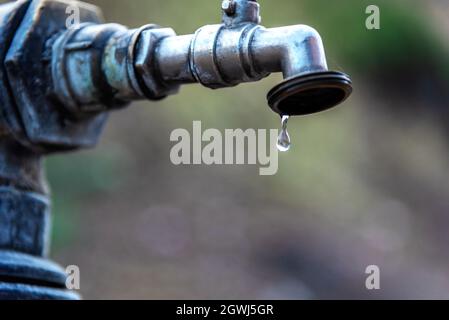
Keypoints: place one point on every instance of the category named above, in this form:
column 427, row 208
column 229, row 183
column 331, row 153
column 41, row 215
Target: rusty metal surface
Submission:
column 26, row 277
column 46, row 126
column 17, row 291
column 25, row 221
column 11, row 15
column 30, row 269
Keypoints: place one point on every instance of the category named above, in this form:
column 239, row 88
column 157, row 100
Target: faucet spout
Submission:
column 241, row 50
column 219, row 56
column 292, row 50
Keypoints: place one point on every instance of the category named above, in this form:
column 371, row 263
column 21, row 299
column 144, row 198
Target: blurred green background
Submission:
column 366, row 183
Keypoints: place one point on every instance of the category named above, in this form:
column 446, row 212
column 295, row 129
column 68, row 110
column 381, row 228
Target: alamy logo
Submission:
column 239, row 147
column 73, row 19
column 373, row 280
column 373, row 20
column 73, row 277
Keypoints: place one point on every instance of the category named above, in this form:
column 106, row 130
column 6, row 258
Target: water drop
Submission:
column 284, row 142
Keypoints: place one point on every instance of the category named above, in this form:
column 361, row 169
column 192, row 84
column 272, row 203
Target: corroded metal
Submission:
column 24, row 276
column 58, row 83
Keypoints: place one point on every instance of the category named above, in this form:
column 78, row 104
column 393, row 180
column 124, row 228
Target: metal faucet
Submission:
column 58, row 82
column 152, row 62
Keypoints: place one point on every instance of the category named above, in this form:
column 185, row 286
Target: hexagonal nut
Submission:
column 11, row 18
column 47, row 127
column 144, row 63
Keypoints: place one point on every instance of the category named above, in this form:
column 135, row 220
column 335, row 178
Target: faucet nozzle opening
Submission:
column 310, row 93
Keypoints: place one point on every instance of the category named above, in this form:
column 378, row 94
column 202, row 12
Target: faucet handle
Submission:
column 240, row 11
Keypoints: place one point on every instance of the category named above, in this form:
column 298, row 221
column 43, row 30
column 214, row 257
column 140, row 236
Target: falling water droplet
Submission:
column 284, row 142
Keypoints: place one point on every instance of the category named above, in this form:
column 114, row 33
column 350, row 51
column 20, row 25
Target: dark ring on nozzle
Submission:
column 310, row 93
